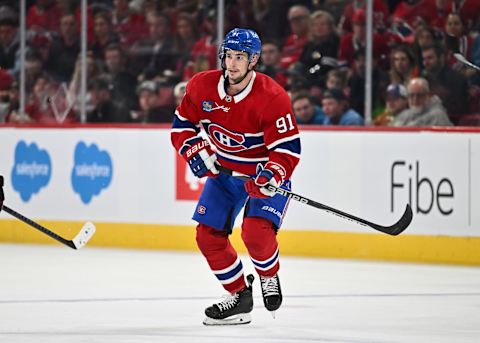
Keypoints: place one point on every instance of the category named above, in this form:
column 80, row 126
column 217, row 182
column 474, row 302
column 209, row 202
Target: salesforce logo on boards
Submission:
column 92, row 171
column 32, row 169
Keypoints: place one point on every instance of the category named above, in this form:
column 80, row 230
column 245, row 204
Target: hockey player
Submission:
column 249, row 121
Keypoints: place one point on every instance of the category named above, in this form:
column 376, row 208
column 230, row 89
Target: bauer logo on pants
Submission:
column 31, row 171
column 92, row 171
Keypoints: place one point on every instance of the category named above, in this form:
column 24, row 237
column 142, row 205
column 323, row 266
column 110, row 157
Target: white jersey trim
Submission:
column 183, row 130
column 259, row 134
column 239, row 97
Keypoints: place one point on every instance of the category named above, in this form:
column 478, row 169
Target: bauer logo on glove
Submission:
column 201, row 158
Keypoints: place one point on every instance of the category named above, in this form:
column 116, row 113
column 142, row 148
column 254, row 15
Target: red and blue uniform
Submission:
column 253, row 127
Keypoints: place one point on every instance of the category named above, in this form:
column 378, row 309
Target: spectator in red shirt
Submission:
column 380, row 15
column 204, row 53
column 42, row 44
column 299, row 18
column 355, row 41
column 442, row 10
column 44, row 16
column 414, row 13
column 129, row 26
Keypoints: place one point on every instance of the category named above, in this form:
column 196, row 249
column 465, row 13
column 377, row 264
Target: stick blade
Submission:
column 84, row 235
column 400, row 225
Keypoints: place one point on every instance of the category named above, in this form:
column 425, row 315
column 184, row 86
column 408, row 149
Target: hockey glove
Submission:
column 201, row 159
column 265, row 176
column 2, row 197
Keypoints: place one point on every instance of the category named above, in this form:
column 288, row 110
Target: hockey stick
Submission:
column 79, row 241
column 463, row 60
column 393, row 230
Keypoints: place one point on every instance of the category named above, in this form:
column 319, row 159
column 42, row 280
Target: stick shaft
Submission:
column 38, row 226
column 393, row 230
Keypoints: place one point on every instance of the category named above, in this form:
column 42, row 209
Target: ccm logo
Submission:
column 197, row 147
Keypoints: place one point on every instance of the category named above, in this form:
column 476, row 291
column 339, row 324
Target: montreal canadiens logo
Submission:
column 201, row 209
column 226, row 140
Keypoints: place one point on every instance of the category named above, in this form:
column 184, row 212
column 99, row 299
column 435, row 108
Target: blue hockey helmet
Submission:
column 245, row 40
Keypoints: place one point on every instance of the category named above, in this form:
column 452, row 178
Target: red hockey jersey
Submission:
column 254, row 126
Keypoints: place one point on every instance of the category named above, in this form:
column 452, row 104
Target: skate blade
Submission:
column 238, row 319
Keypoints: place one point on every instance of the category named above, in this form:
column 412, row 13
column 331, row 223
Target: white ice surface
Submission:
column 54, row 294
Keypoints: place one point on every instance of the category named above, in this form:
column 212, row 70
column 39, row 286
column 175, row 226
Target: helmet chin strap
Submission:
column 228, row 81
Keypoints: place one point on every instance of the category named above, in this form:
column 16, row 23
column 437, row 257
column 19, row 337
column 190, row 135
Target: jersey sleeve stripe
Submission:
column 179, row 116
column 283, row 140
column 259, row 134
column 183, row 130
column 183, row 125
column 292, row 146
column 288, row 152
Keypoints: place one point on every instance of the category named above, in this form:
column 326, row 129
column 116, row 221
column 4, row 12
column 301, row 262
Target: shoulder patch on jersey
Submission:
column 209, row 106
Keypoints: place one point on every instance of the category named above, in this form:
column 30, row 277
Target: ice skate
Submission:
column 233, row 310
column 272, row 293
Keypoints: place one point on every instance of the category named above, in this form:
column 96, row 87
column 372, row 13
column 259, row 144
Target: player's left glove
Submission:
column 268, row 175
column 201, row 158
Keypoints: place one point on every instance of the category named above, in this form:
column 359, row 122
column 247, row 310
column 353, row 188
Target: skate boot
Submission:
column 272, row 293
column 234, row 309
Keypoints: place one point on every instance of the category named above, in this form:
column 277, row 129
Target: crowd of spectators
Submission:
column 141, row 53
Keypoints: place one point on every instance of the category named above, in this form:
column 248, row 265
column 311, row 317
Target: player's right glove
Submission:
column 200, row 158
column 2, row 196
column 268, row 175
